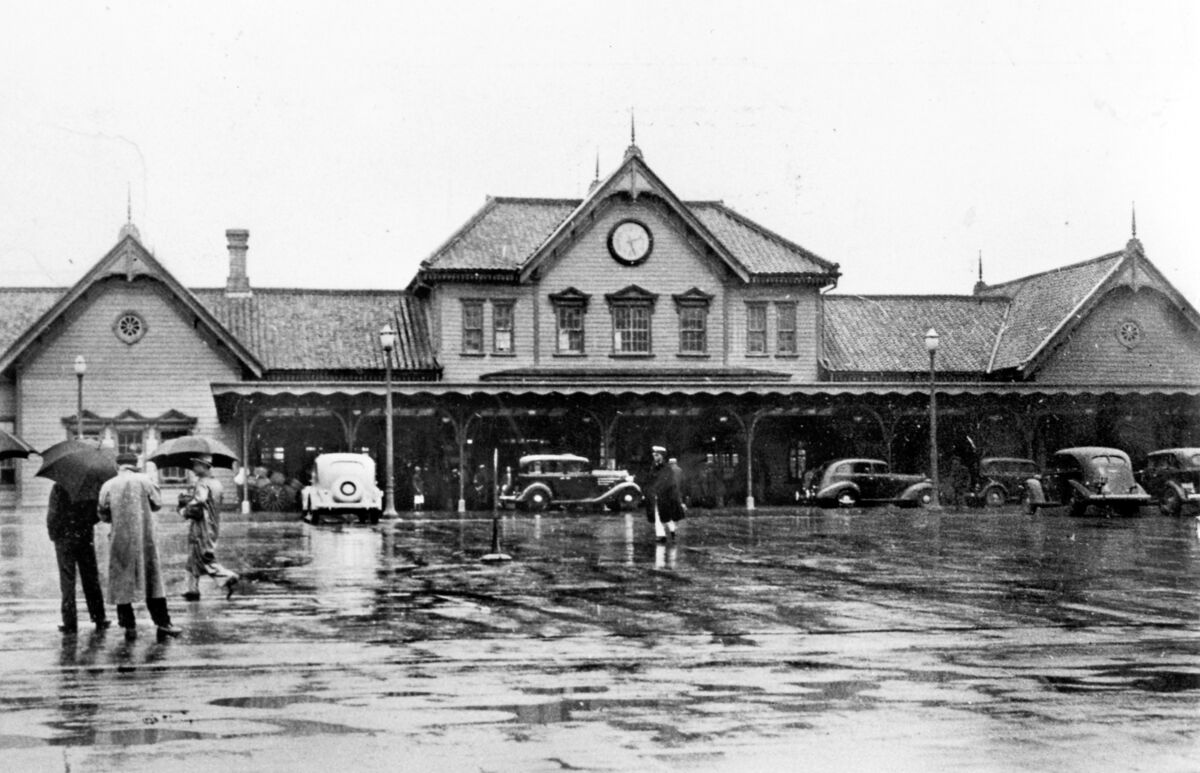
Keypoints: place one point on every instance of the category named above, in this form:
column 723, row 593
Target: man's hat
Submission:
column 203, row 459
column 127, row 459
column 657, row 450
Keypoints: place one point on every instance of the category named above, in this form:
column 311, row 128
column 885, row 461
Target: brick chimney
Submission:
column 238, row 284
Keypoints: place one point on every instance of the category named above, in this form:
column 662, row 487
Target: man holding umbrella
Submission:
column 129, row 502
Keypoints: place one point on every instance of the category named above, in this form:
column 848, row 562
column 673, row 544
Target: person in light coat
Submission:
column 202, row 509
column 129, row 502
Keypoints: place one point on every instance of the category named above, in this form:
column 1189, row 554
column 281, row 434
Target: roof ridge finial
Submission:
column 596, row 178
column 980, row 285
column 1133, row 222
column 633, row 149
column 129, row 229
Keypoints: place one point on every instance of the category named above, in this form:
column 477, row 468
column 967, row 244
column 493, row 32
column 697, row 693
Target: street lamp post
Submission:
column 931, row 344
column 80, row 369
column 387, row 339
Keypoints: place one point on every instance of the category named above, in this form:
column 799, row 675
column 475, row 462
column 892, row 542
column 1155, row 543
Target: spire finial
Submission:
column 979, row 283
column 1133, row 223
column 596, row 178
column 633, row 149
column 129, row 229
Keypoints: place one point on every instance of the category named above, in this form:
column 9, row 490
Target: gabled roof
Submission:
column 273, row 329
column 886, row 333
column 516, row 235
column 1048, row 306
column 1041, row 303
column 128, row 259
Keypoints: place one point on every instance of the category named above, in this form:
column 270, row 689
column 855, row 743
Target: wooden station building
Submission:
column 599, row 326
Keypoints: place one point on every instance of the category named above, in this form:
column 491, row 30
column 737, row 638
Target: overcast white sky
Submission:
column 898, row 139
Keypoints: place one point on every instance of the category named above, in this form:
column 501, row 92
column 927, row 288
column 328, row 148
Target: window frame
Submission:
column 574, row 303
column 693, row 307
column 631, row 305
column 784, row 310
column 508, row 306
column 472, row 343
column 756, row 337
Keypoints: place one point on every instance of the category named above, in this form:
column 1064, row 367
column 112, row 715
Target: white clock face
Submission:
column 630, row 242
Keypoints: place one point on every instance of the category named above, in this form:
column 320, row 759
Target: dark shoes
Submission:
column 68, row 629
column 102, row 625
column 169, row 630
column 192, row 595
column 230, row 586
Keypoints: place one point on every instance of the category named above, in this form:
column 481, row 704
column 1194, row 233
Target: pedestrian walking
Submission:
column 479, row 484
column 418, row 489
column 202, row 509
column 129, row 502
column 72, row 528
column 663, row 496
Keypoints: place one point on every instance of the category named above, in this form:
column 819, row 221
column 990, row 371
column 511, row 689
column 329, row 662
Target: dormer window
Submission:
column 632, row 310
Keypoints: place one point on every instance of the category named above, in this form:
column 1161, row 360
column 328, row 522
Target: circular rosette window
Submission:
column 1129, row 333
column 129, row 327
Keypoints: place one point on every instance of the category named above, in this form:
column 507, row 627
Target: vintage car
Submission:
column 1001, row 479
column 343, row 485
column 566, row 480
column 854, row 482
column 1090, row 476
column 1172, row 477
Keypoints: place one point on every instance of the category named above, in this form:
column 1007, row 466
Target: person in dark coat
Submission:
column 662, row 494
column 72, row 527
column 201, row 507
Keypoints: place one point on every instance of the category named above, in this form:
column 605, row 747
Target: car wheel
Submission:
column 926, row 499
column 994, row 497
column 847, row 498
column 537, row 501
column 1170, row 503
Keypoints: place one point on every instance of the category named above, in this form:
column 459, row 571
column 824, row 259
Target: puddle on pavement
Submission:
column 1125, row 679
column 568, row 709
column 266, row 701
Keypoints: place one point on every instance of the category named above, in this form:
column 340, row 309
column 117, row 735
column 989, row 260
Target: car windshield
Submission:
column 1194, row 461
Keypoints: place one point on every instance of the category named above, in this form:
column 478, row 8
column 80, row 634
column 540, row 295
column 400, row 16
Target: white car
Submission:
column 342, row 484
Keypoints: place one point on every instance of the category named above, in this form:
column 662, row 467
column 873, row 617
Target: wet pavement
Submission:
column 785, row 640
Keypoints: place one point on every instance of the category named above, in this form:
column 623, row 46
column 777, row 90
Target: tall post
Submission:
column 80, row 369
column 387, row 339
column 931, row 343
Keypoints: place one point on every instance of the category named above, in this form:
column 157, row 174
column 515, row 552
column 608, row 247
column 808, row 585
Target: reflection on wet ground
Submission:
column 854, row 640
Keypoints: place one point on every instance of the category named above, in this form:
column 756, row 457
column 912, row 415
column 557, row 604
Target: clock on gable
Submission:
column 630, row 242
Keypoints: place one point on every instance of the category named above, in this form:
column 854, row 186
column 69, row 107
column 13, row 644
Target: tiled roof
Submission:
column 307, row 330
column 20, row 307
column 508, row 231
column 887, row 332
column 761, row 251
column 1041, row 302
column 502, row 235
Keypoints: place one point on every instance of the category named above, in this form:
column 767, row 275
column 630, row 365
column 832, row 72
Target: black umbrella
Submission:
column 179, row 452
column 13, row 447
column 79, row 466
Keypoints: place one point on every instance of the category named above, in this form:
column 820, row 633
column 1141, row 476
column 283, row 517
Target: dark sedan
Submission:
column 853, row 482
column 1172, row 476
column 1001, row 479
column 1087, row 477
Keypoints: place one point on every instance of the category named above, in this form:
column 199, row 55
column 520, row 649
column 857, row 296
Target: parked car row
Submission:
column 1081, row 479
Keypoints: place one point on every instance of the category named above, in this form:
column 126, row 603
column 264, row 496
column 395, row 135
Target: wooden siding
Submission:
column 803, row 364
column 171, row 367
column 673, row 268
column 1167, row 353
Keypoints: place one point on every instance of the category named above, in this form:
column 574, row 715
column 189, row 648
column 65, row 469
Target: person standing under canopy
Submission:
column 129, row 502
column 202, row 509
